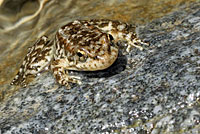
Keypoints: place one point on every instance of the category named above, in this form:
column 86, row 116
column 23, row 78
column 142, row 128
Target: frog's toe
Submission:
column 74, row 79
column 19, row 80
column 69, row 79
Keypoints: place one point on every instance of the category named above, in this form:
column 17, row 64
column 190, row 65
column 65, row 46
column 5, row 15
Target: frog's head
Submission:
column 93, row 52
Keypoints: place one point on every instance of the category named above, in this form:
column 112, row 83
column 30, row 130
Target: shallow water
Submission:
column 23, row 21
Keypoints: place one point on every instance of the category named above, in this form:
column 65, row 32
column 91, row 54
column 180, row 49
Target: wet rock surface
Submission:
column 156, row 90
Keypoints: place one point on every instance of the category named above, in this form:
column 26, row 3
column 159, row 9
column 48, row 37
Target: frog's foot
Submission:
column 72, row 79
column 37, row 58
column 19, row 80
column 135, row 43
column 63, row 78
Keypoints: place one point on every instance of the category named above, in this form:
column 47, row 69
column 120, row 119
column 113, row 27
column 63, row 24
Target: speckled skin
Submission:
column 86, row 45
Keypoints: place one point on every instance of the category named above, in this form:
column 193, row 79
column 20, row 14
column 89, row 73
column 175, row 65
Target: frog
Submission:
column 80, row 45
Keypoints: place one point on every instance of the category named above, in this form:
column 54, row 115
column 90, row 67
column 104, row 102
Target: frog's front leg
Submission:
column 124, row 32
column 130, row 37
column 59, row 68
column 133, row 41
column 37, row 58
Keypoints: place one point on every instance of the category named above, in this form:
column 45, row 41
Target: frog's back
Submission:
column 80, row 35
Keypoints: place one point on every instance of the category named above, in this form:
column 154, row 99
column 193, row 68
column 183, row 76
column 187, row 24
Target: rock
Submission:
column 157, row 92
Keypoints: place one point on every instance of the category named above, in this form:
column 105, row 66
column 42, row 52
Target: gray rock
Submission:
column 152, row 91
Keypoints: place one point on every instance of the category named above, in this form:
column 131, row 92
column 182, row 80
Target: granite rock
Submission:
column 152, row 91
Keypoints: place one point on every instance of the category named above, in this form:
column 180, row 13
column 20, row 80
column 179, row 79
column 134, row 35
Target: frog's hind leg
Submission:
column 37, row 58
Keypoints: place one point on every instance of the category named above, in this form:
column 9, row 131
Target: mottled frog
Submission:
column 83, row 45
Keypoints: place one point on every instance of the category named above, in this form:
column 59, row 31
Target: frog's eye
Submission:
column 80, row 53
column 111, row 37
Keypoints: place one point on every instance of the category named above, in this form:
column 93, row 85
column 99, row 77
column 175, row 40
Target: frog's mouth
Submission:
column 92, row 64
column 99, row 63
